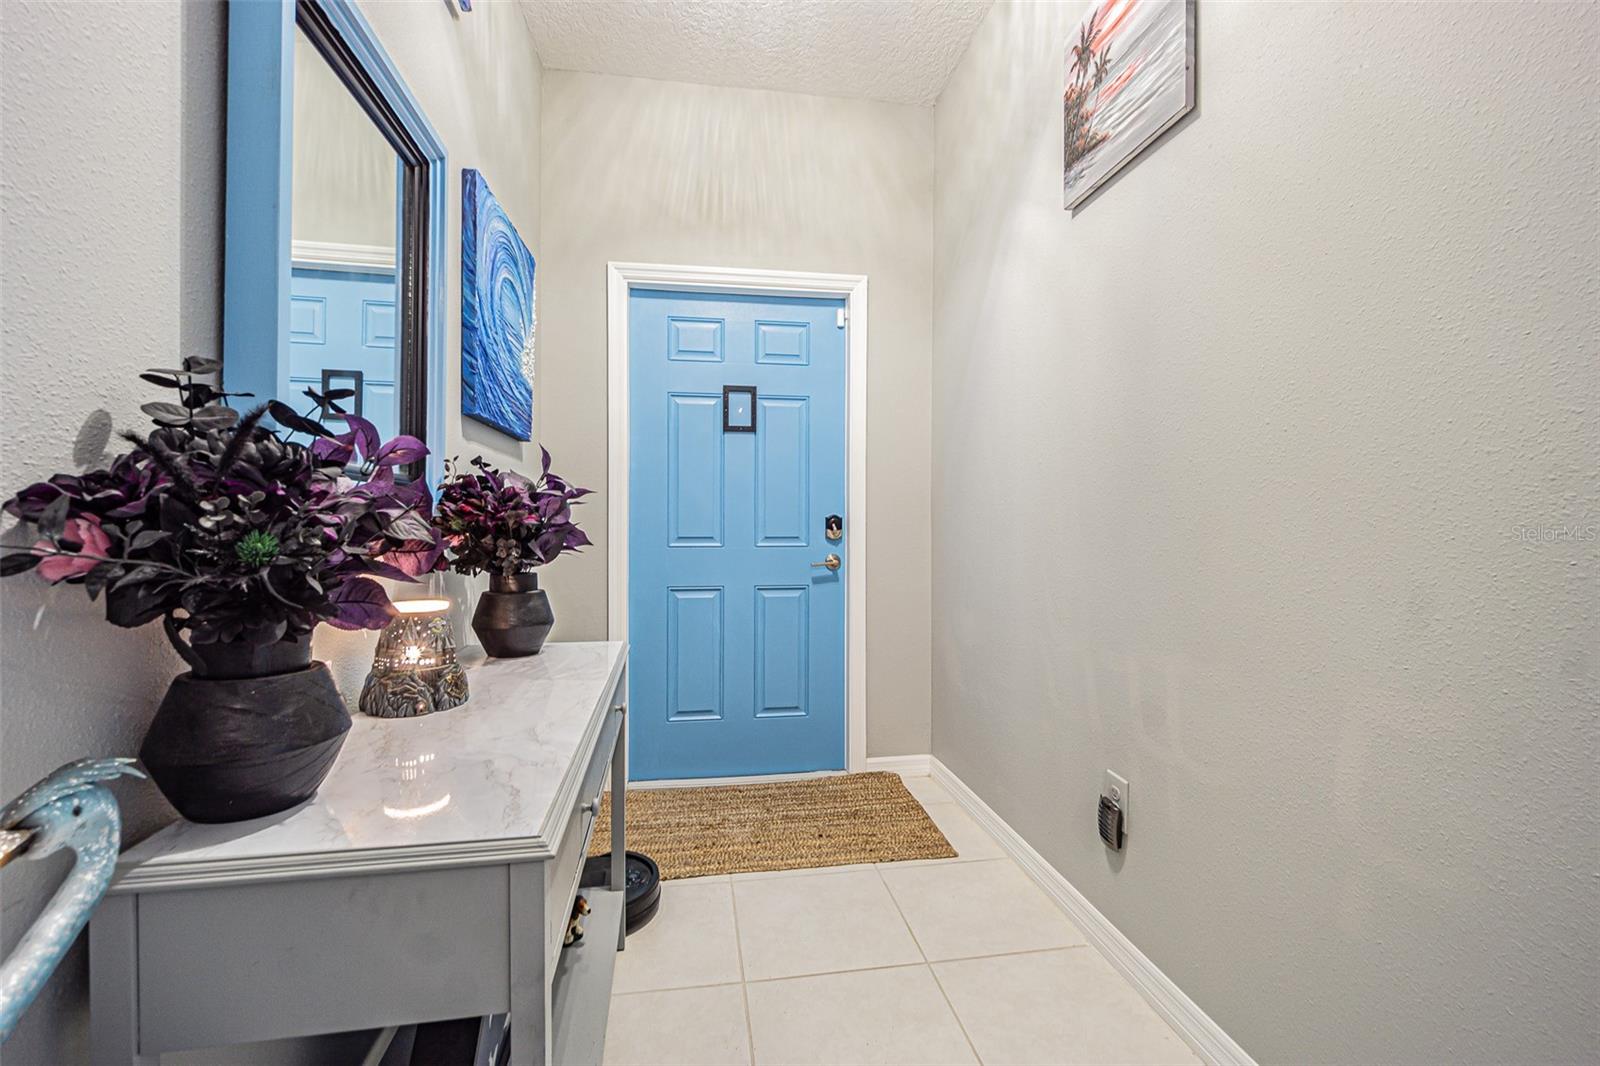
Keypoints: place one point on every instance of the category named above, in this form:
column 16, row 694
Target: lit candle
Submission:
column 414, row 670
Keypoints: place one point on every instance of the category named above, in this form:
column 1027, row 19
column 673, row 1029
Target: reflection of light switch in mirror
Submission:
column 738, row 408
column 345, row 379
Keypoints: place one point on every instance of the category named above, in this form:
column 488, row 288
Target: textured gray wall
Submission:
column 110, row 232
column 663, row 172
column 110, row 262
column 1248, row 442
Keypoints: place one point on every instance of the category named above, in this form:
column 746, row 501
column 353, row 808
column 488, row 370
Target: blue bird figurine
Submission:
column 68, row 809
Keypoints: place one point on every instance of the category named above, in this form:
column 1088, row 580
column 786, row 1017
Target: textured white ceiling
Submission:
column 896, row 50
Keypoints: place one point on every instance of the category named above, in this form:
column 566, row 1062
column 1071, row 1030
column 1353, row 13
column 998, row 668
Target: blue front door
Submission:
column 737, row 642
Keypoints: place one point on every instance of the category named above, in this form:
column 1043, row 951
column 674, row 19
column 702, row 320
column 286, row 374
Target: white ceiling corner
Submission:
column 901, row 51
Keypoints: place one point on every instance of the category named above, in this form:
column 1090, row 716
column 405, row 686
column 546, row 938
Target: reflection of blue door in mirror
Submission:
column 302, row 200
column 342, row 323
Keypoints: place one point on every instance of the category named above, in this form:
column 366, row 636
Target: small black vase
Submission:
column 248, row 732
column 513, row 617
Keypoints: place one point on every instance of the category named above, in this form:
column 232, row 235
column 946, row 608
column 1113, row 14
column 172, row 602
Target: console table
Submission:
column 431, row 877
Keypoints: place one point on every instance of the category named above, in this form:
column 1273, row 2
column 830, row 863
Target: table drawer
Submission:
column 561, row 882
column 257, row 962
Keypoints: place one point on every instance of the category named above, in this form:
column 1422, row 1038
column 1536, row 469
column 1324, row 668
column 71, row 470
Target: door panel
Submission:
column 782, row 634
column 783, row 456
column 377, row 325
column 694, row 654
column 694, row 470
column 308, row 320
column 694, row 340
column 737, row 661
column 343, row 322
column 784, row 343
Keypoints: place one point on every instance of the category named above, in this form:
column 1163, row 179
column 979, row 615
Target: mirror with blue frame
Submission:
column 335, row 225
column 345, row 229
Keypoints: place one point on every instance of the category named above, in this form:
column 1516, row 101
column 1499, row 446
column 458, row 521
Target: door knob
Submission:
column 832, row 562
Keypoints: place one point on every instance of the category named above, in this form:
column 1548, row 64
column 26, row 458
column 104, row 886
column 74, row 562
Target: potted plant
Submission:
column 242, row 541
column 508, row 525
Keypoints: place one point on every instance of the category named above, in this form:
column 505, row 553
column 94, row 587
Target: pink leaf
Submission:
column 84, row 530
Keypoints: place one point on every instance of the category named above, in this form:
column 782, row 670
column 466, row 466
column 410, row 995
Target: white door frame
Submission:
column 621, row 279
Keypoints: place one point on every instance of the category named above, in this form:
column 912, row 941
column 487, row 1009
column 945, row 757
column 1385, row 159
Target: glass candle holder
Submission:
column 415, row 671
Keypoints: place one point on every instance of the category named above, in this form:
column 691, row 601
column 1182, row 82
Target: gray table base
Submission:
column 205, row 966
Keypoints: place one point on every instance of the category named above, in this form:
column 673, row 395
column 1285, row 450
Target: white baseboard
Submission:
column 1194, row 1025
column 915, row 765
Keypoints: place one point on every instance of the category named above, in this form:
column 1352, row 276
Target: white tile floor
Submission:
column 958, row 960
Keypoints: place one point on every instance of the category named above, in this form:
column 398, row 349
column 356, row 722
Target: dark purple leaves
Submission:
column 292, row 420
column 333, row 450
column 505, row 522
column 361, row 440
column 193, row 396
column 18, row 563
column 409, row 526
column 146, row 538
column 133, row 601
column 400, row 451
column 412, row 561
column 359, row 604
column 95, row 581
column 52, row 518
column 366, row 436
column 166, row 414
column 230, row 529
column 214, row 416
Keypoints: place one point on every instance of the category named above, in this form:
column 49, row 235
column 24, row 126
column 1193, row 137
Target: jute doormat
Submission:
column 785, row 825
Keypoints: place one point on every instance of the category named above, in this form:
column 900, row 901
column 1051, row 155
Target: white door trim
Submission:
column 335, row 255
column 621, row 278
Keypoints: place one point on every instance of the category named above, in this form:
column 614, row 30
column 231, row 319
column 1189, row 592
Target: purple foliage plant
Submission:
column 505, row 523
column 229, row 530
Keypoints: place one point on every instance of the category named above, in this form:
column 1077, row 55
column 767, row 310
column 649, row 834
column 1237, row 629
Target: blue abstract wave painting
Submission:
column 497, row 314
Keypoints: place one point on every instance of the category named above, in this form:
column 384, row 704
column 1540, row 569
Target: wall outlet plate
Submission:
column 1115, row 788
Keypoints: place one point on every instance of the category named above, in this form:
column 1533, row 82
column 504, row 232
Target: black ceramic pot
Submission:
column 246, row 733
column 513, row 617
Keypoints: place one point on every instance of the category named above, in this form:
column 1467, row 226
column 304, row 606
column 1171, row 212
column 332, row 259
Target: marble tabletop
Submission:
column 483, row 782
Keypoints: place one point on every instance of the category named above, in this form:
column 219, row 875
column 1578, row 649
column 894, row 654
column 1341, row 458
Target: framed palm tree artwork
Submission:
column 1129, row 76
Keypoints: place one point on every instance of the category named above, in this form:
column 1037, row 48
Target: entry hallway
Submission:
column 958, row 960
